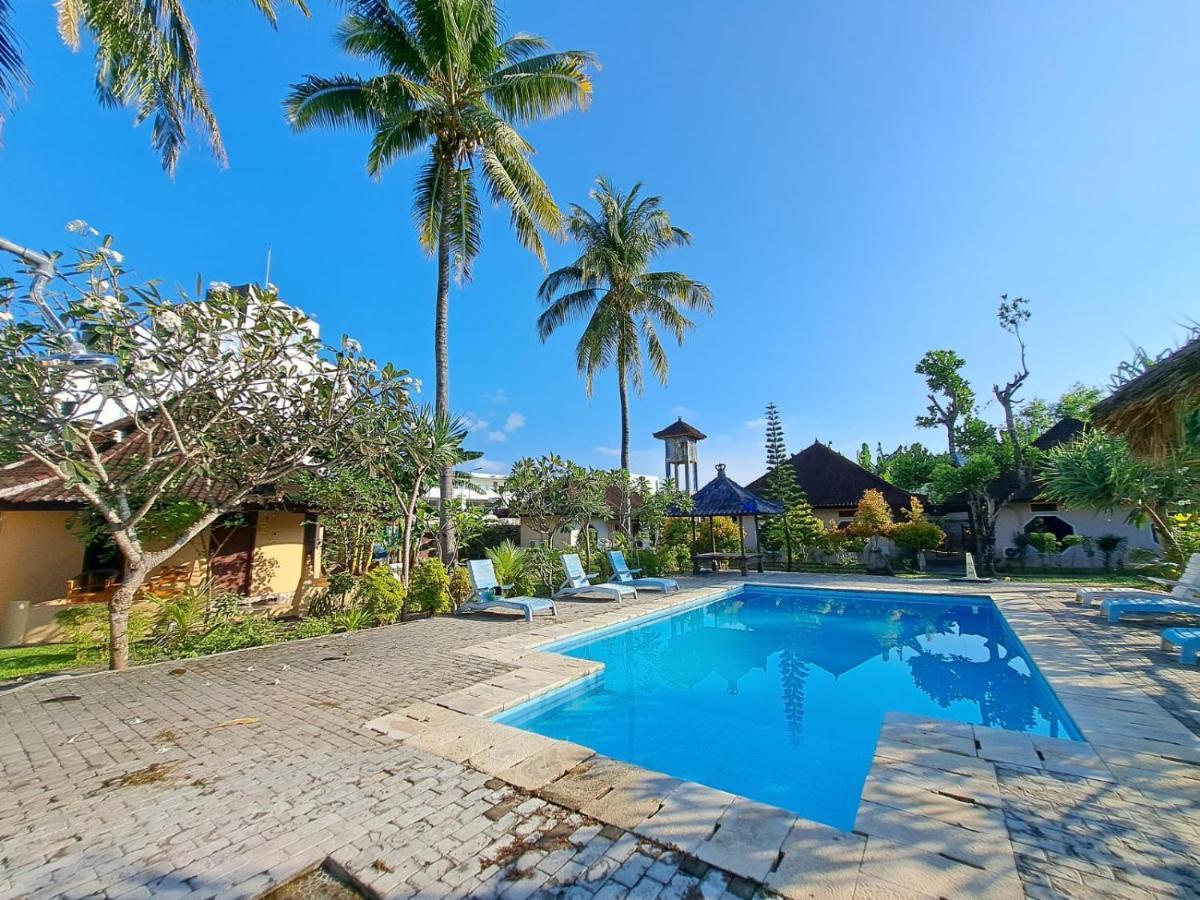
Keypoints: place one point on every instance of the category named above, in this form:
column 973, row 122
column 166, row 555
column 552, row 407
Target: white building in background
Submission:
column 477, row 489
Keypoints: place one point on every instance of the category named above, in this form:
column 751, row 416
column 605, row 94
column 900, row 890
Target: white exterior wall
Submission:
column 1015, row 516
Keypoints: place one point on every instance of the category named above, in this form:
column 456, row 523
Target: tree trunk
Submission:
column 118, row 616
column 442, row 364
column 623, row 391
column 1010, row 426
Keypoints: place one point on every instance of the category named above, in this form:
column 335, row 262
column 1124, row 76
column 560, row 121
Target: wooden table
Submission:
column 743, row 560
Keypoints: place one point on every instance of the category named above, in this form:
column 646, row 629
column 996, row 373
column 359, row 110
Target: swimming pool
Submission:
column 778, row 694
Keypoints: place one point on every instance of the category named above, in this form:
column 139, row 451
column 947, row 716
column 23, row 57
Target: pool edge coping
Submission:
column 949, row 766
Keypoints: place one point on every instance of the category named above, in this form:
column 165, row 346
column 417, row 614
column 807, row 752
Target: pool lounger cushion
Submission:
column 1125, row 605
column 1187, row 640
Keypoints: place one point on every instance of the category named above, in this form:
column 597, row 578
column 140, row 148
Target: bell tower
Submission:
column 681, row 451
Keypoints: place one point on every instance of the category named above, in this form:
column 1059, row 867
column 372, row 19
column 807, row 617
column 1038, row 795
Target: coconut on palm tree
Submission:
column 453, row 87
column 625, row 304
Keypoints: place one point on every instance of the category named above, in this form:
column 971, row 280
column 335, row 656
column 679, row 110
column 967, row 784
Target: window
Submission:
column 1043, row 507
column 847, row 513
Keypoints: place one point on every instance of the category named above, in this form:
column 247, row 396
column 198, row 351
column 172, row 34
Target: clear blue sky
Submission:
column 862, row 179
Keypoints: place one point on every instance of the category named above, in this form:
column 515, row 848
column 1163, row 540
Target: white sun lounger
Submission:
column 487, row 593
column 622, row 574
column 1190, row 577
column 578, row 582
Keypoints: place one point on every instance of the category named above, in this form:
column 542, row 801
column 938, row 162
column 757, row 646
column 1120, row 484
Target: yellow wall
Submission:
column 278, row 553
column 38, row 555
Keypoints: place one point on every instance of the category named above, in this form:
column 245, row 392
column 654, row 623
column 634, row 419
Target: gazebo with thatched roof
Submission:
column 1157, row 409
column 725, row 497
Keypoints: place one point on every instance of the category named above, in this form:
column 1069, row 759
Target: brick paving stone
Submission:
column 237, row 807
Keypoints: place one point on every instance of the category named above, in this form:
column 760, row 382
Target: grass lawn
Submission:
column 18, row 662
column 1084, row 577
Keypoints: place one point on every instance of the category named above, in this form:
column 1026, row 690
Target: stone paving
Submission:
column 227, row 775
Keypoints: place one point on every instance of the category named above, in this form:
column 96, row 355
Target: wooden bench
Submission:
column 742, row 559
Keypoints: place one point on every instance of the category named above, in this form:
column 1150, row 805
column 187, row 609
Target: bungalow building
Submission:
column 1024, row 510
column 269, row 552
column 834, row 484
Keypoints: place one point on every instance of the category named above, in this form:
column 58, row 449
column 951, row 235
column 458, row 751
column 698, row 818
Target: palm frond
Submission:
column 427, row 204
column 146, row 56
column 396, row 136
column 574, row 305
column 341, row 101
column 543, row 87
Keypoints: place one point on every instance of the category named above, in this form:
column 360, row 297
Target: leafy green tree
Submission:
column 798, row 526
column 585, row 500
column 1012, row 314
column 145, row 57
column 454, row 88
column 536, row 492
column 950, row 395
column 1100, row 472
column 873, row 516
column 234, row 392
column 916, row 533
column 625, row 304
column 777, row 453
column 864, row 457
column 972, row 480
column 909, row 467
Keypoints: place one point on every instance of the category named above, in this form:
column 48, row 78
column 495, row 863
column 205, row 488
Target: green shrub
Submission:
column 252, row 631
column 545, row 566
column 1109, row 545
column 382, row 595
column 313, row 626
column 512, row 567
column 674, row 559
column 429, row 586
column 460, row 585
column 86, row 629
column 352, row 618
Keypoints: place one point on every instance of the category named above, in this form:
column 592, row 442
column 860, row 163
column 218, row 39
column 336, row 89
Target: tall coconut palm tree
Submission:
column 145, row 57
column 625, row 305
column 454, row 88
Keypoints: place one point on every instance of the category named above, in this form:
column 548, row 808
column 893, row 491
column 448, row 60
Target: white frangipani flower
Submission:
column 112, row 254
column 5, row 315
column 169, row 319
column 218, row 286
column 77, row 226
column 350, row 345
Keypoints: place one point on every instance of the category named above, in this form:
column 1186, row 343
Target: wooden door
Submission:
column 232, row 563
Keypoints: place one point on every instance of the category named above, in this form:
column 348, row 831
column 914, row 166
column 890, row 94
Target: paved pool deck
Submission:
column 228, row 775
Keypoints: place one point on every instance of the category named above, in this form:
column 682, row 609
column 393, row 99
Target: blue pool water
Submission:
column 778, row 694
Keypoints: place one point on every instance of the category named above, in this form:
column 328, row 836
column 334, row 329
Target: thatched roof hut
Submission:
column 1155, row 410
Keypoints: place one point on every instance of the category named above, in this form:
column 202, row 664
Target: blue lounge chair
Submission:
column 487, row 593
column 580, row 582
column 1155, row 603
column 1188, row 642
column 622, row 574
column 1181, row 591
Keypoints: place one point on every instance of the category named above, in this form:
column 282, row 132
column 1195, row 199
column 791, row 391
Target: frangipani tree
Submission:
column 210, row 401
